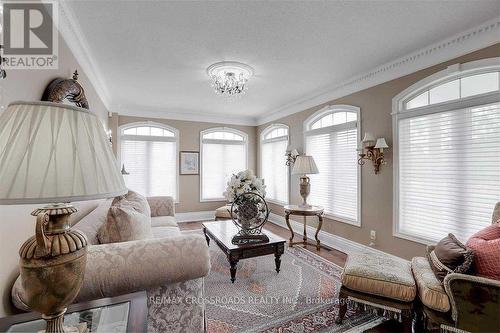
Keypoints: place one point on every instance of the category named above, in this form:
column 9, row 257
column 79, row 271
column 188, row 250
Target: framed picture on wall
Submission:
column 189, row 163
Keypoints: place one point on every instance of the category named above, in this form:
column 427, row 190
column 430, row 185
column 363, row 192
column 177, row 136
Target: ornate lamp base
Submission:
column 305, row 189
column 52, row 265
column 55, row 324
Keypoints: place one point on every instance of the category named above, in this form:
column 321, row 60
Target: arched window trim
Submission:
column 263, row 140
column 352, row 124
column 330, row 109
column 175, row 139
column 399, row 111
column 270, row 129
column 224, row 129
column 221, row 141
column 449, row 74
column 149, row 137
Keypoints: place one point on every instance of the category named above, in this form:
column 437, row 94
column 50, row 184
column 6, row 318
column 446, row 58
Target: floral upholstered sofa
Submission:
column 170, row 265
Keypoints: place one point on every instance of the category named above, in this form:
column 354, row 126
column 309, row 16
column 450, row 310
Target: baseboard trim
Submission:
column 194, row 216
column 328, row 239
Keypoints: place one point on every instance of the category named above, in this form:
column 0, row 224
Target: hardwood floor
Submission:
column 329, row 254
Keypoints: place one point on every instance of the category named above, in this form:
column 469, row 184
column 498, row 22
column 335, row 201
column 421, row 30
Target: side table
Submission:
column 120, row 314
column 304, row 212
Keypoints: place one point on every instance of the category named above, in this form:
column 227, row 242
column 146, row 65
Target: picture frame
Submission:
column 189, row 163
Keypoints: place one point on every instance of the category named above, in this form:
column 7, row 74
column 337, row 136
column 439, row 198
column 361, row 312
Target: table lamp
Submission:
column 54, row 154
column 304, row 165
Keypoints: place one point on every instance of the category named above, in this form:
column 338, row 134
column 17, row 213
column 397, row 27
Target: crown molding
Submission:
column 77, row 43
column 460, row 44
column 180, row 114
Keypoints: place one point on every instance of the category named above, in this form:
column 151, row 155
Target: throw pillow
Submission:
column 486, row 246
column 135, row 200
column 450, row 256
column 128, row 218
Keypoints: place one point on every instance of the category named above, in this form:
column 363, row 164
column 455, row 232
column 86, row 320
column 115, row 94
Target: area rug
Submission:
column 301, row 298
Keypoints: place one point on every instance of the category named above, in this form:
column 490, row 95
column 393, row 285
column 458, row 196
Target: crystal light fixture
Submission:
column 229, row 78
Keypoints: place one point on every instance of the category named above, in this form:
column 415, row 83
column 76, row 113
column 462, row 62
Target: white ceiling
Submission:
column 152, row 55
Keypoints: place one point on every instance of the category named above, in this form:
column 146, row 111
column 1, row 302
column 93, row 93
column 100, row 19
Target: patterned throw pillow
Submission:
column 129, row 218
column 486, row 246
column 450, row 256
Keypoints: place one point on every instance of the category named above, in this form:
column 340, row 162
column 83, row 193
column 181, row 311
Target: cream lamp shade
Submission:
column 381, row 144
column 51, row 152
column 304, row 164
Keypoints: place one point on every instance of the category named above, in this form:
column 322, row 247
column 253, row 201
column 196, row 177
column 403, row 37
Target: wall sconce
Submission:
column 109, row 133
column 124, row 172
column 291, row 156
column 372, row 150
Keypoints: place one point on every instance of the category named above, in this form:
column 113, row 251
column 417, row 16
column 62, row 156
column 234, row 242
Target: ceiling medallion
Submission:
column 229, row 78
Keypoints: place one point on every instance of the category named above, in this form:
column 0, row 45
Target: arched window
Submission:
column 223, row 153
column 273, row 145
column 149, row 153
column 331, row 138
column 447, row 152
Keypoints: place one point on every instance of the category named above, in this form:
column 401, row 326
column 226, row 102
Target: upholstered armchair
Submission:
column 465, row 302
column 169, row 266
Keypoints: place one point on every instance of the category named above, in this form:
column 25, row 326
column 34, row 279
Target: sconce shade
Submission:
column 368, row 137
column 295, row 153
column 51, row 153
column 381, row 143
column 304, row 164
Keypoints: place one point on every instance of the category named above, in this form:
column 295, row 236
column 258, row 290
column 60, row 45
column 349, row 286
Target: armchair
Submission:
column 462, row 303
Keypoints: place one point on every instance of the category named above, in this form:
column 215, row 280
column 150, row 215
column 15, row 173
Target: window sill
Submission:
column 415, row 239
column 342, row 220
column 213, row 200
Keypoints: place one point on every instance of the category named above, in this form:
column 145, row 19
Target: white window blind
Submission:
column 273, row 168
column 336, row 186
column 221, row 158
column 151, row 163
column 449, row 172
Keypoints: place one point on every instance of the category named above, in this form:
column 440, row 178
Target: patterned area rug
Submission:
column 302, row 298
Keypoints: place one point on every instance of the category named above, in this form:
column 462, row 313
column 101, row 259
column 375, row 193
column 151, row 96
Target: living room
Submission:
column 248, row 166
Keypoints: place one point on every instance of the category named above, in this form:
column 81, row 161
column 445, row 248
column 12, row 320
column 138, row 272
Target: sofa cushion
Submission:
column 379, row 275
column 134, row 200
column 129, row 218
column 165, row 232
column 430, row 289
column 93, row 221
column 450, row 256
column 486, row 246
column 163, row 221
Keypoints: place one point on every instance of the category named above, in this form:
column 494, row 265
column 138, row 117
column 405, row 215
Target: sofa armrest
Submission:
column 120, row 268
column 475, row 301
column 161, row 206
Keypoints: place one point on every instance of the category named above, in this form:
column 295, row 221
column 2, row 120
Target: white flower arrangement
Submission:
column 244, row 181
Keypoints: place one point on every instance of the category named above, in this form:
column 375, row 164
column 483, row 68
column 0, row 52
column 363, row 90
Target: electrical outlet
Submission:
column 373, row 235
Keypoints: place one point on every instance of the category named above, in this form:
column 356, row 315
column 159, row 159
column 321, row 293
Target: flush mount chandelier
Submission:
column 229, row 78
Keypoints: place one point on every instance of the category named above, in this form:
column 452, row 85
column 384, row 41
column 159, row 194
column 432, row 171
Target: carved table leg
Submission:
column 206, row 236
column 277, row 261
column 287, row 219
column 233, row 263
column 342, row 307
column 318, row 243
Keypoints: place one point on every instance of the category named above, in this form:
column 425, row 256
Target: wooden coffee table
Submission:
column 221, row 232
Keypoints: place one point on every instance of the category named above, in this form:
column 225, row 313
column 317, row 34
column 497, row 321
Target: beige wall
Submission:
column 189, row 139
column 16, row 224
column 376, row 190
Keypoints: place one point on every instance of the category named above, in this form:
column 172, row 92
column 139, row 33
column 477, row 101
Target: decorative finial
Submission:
column 75, row 75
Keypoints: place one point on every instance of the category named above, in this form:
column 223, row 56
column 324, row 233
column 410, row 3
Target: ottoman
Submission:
column 223, row 213
column 378, row 283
